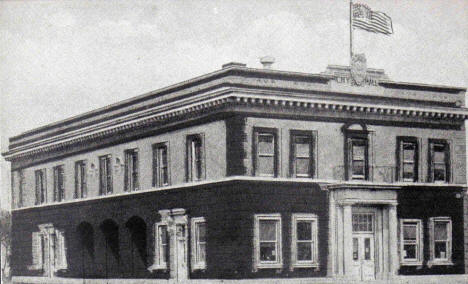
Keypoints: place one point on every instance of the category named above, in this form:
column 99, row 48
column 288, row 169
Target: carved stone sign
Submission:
column 359, row 68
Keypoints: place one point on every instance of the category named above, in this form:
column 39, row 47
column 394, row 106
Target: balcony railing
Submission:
column 385, row 174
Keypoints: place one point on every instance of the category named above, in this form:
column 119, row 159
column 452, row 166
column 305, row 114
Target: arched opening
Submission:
column 110, row 230
column 138, row 253
column 86, row 238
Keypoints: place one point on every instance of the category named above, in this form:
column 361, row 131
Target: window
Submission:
column 161, row 246
column 440, row 234
column 131, row 170
column 160, row 165
column 439, row 161
column 194, row 157
column 60, row 250
column 302, row 154
column 17, row 188
column 358, row 158
column 265, row 152
column 304, row 248
column 411, row 242
column 105, row 175
column 38, row 253
column 363, row 222
column 408, row 158
column 198, row 243
column 59, row 191
column 41, row 183
column 267, row 241
column 80, row 179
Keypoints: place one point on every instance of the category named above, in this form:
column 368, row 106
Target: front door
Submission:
column 363, row 246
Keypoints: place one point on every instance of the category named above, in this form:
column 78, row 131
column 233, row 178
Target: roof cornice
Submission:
column 219, row 99
column 421, row 86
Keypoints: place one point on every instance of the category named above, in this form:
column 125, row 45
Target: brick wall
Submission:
column 228, row 209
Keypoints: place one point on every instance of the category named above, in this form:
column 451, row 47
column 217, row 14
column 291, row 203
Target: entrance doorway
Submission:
column 176, row 222
column 363, row 246
column 364, row 229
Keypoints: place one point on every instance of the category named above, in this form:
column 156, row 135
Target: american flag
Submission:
column 371, row 21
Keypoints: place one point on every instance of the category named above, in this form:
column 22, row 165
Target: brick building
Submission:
column 248, row 173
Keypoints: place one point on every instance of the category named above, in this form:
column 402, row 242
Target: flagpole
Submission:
column 351, row 30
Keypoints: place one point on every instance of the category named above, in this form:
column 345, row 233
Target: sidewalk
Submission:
column 431, row 279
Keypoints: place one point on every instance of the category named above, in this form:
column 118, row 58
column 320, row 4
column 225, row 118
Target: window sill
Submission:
column 305, row 265
column 269, row 266
column 156, row 267
column 197, row 267
column 439, row 262
column 411, row 263
column 34, row 268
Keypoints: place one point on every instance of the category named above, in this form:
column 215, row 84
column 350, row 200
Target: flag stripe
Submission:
column 370, row 28
column 380, row 21
column 376, row 26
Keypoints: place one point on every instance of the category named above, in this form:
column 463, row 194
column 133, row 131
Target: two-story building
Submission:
column 248, row 173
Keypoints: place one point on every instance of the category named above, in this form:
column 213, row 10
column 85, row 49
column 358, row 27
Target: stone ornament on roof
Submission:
column 358, row 69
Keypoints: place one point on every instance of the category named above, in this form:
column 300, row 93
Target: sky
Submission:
column 62, row 58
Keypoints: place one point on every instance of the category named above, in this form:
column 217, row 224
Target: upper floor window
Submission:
column 267, row 244
column 105, row 175
column 265, row 152
column 439, row 161
column 18, row 187
column 411, row 241
column 41, row 186
column 160, row 164
column 80, row 179
column 59, row 190
column 408, row 158
column 304, row 248
column 357, row 166
column 440, row 240
column 198, row 227
column 195, row 161
column 302, row 154
column 131, row 170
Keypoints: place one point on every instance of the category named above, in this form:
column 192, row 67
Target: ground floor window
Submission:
column 411, row 242
column 304, row 247
column 38, row 252
column 198, row 227
column 440, row 236
column 267, row 241
column 161, row 246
